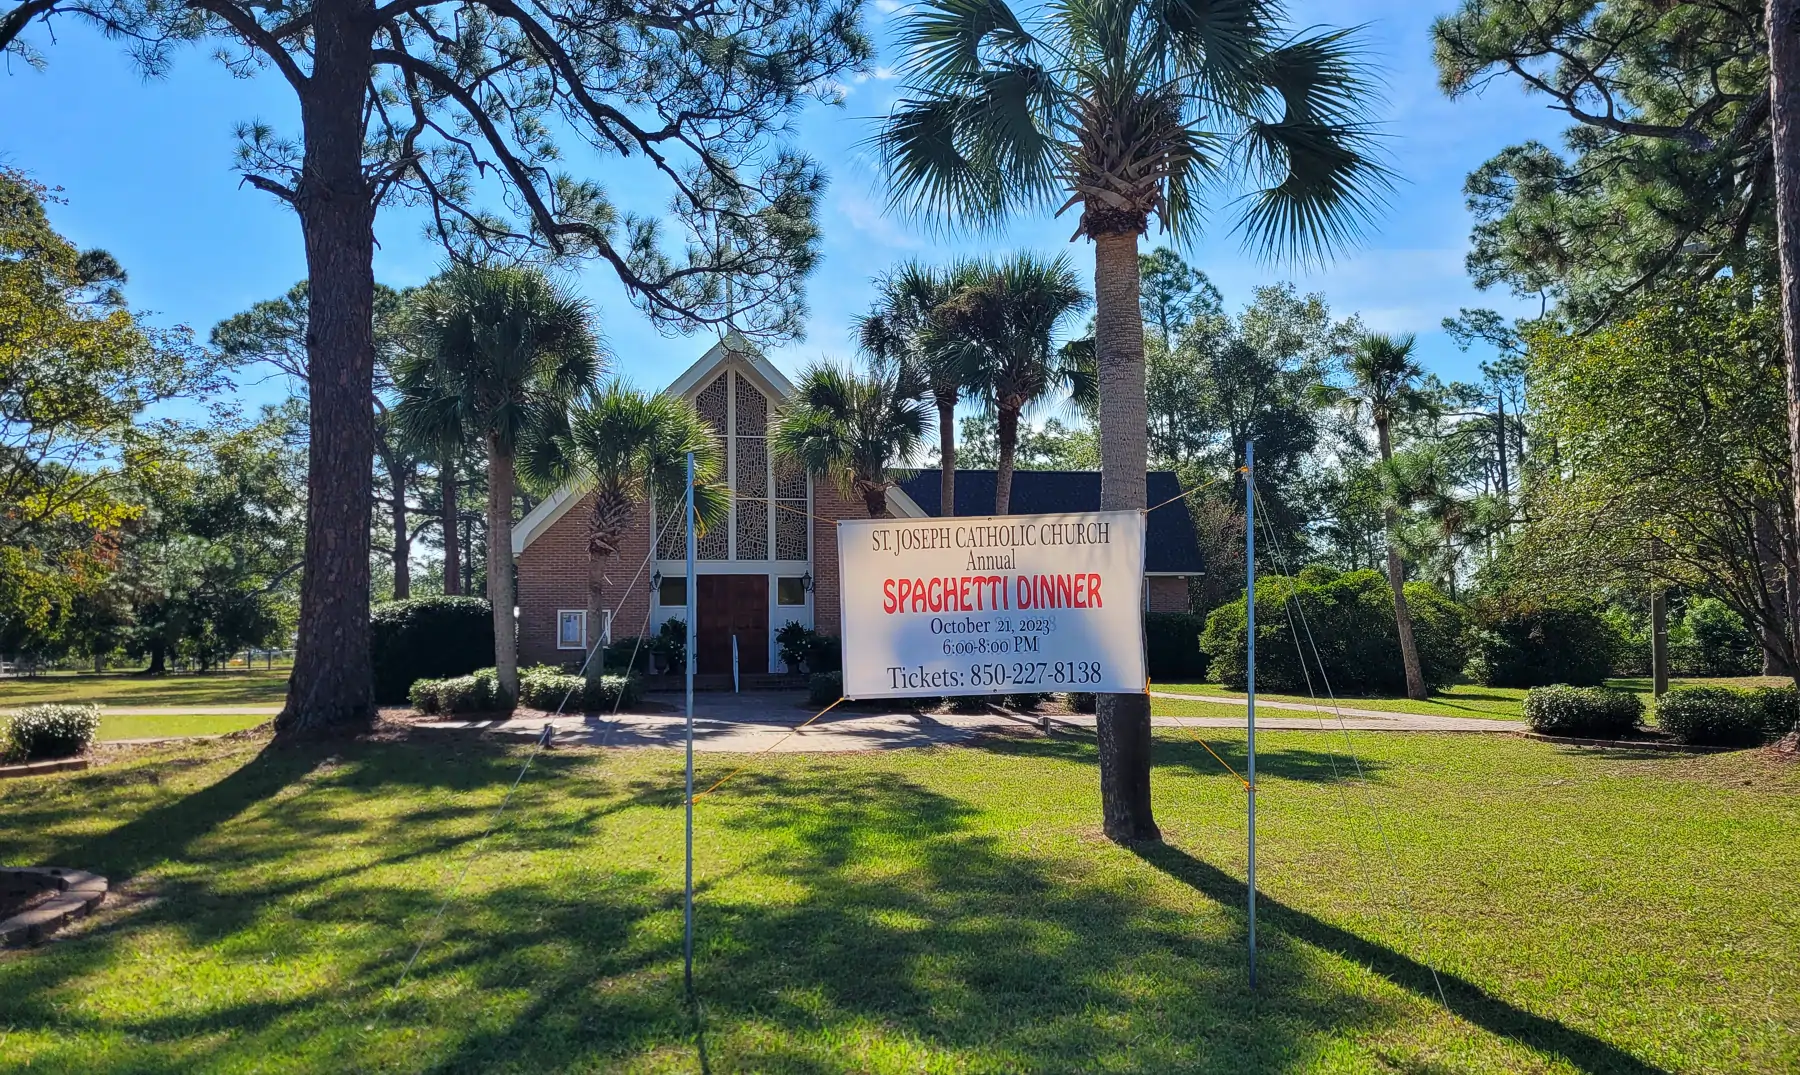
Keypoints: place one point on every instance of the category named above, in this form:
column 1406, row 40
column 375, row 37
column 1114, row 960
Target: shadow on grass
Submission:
column 848, row 919
column 1174, row 748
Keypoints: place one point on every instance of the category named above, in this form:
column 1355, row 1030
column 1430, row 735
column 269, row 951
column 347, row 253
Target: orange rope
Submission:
column 1189, row 492
column 765, row 750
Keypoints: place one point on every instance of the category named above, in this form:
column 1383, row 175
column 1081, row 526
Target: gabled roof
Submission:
column 1170, row 546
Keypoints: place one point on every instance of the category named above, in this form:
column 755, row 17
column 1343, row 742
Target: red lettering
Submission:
column 1080, row 591
column 887, row 592
column 1094, row 591
column 905, row 594
column 1064, row 596
column 918, row 595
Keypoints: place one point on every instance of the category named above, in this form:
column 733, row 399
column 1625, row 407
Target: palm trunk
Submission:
column 500, row 568
column 402, row 554
column 1396, row 569
column 875, row 501
column 1007, row 434
column 332, row 687
column 1784, row 114
column 1122, row 721
column 452, row 545
column 595, row 667
column 947, row 457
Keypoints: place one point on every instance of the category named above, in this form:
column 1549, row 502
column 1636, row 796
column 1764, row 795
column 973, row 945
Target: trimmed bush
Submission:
column 1711, row 640
column 824, row 653
column 427, row 638
column 1081, row 701
column 478, row 692
column 1172, row 646
column 1351, row 616
column 549, row 688
column 49, row 730
column 1779, row 708
column 1711, row 716
column 824, row 688
column 1542, row 646
column 1582, row 712
column 1024, row 703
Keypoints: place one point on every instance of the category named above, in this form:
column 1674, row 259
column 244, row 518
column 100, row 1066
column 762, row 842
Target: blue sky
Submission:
column 145, row 167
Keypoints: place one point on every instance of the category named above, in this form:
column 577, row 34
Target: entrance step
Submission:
column 750, row 681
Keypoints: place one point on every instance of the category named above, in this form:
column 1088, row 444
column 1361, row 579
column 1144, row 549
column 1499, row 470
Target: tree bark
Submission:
column 1659, row 642
column 500, row 567
column 1122, row 721
column 1396, row 570
column 1007, row 436
column 452, row 547
column 595, row 666
column 947, row 458
column 1783, row 28
column 159, row 659
column 402, row 554
column 332, row 686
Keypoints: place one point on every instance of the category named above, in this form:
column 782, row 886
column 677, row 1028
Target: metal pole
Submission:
column 1250, row 708
column 687, row 942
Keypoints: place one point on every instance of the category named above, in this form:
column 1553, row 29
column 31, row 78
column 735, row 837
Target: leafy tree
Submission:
column 1384, row 385
column 1001, row 326
column 1671, row 459
column 1175, row 294
column 856, row 429
column 274, row 332
column 901, row 328
column 505, row 350
column 627, row 448
column 1053, row 446
column 461, row 107
column 1125, row 109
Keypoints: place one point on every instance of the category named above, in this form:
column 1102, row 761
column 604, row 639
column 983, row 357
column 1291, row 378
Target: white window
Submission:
column 571, row 628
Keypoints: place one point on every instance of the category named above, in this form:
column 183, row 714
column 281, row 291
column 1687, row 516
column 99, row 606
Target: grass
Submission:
column 159, row 725
column 944, row 910
column 253, row 687
column 1462, row 700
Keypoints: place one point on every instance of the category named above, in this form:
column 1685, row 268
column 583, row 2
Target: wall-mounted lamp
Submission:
column 806, row 582
column 655, row 582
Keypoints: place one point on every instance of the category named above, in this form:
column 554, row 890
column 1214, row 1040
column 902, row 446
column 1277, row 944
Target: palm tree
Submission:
column 1001, row 327
column 628, row 447
column 505, row 350
column 1384, row 382
column 899, row 330
column 858, row 430
column 1128, row 109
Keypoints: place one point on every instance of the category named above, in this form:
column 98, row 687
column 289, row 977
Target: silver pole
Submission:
column 1250, row 708
column 687, row 943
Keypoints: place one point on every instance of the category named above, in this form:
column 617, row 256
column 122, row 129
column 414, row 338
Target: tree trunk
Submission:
column 1659, row 642
column 500, row 567
column 159, row 659
column 875, row 501
column 1122, row 721
column 947, row 458
column 402, row 556
column 596, row 615
column 1505, row 482
column 332, row 686
column 1784, row 115
column 452, row 550
column 1396, row 569
column 1007, row 436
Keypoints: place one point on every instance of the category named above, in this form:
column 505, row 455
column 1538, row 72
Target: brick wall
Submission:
column 553, row 575
column 829, row 505
column 1168, row 593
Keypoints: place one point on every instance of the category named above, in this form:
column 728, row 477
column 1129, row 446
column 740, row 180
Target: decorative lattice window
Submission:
column 790, row 531
column 752, row 530
column 673, row 528
column 752, row 410
column 711, row 403
column 752, row 468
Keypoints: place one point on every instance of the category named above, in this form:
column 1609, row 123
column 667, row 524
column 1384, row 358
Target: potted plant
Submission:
column 795, row 642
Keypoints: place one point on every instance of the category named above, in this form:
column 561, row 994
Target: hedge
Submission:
column 1582, row 712
column 824, row 688
column 49, row 730
column 1081, row 701
column 1712, row 716
column 478, row 692
column 427, row 638
column 1779, row 708
column 550, row 688
column 1541, row 646
column 1172, row 646
column 1351, row 621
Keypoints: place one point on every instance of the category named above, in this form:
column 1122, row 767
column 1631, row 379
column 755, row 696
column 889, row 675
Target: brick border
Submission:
column 39, row 768
column 78, row 892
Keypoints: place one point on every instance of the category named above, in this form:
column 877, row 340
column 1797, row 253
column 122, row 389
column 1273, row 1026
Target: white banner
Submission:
column 1002, row 604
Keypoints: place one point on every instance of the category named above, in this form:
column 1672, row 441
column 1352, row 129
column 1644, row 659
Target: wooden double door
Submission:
column 727, row 605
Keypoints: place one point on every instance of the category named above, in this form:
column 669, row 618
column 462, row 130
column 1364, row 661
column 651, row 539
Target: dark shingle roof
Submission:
column 1168, row 536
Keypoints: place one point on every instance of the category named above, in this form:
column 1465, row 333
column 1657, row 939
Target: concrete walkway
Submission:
column 769, row 720
column 1305, row 707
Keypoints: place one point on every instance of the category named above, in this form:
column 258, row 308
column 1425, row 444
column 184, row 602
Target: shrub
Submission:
column 618, row 656
column 1081, row 701
column 427, row 638
column 1172, row 646
column 49, row 731
column 1541, row 646
column 968, row 704
column 795, row 640
column 824, row 653
column 478, row 692
column 1582, row 712
column 824, row 688
column 1713, row 641
column 1351, row 621
column 671, row 644
column 1711, row 716
column 1024, row 703
column 552, row 689
column 1779, row 708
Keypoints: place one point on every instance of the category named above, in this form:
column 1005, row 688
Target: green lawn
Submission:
column 134, row 726
column 237, row 687
column 943, row 910
column 1463, row 700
